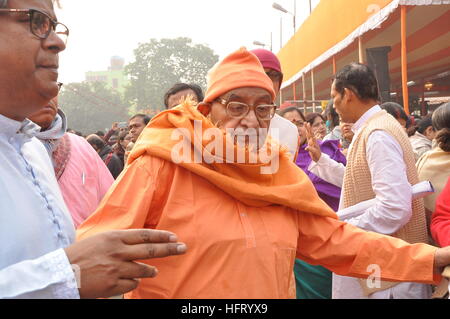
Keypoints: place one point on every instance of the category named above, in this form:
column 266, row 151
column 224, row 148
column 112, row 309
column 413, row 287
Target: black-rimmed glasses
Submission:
column 41, row 25
column 264, row 112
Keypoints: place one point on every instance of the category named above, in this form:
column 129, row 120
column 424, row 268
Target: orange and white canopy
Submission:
column 331, row 38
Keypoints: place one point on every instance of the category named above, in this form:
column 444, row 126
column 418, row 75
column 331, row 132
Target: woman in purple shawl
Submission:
column 330, row 194
column 314, row 282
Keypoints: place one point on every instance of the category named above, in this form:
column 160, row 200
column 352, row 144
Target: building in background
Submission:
column 114, row 77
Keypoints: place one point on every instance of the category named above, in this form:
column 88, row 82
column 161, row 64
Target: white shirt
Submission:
column 329, row 170
column 393, row 208
column 35, row 224
column 286, row 133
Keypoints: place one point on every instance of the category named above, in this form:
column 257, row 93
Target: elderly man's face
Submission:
column 250, row 96
column 28, row 64
column 249, row 123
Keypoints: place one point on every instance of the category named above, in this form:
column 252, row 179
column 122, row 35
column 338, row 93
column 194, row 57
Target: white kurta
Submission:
column 35, row 224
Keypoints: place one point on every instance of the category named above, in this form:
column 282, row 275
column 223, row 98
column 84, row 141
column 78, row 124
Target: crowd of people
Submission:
column 119, row 214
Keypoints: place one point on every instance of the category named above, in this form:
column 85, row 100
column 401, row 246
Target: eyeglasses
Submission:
column 264, row 112
column 41, row 25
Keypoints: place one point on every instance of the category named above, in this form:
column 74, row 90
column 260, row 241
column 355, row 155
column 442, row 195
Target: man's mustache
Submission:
column 247, row 132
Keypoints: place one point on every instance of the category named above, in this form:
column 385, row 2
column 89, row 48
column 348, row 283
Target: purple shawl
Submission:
column 329, row 193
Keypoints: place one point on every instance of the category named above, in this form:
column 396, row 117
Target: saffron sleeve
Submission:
column 127, row 205
column 440, row 224
column 349, row 251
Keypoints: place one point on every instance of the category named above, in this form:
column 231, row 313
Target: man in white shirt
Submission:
column 38, row 256
column 389, row 159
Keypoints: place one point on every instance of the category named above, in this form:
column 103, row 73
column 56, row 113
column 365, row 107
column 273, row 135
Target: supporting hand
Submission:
column 107, row 261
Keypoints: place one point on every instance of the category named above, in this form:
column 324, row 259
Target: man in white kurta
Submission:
column 392, row 210
column 37, row 234
column 32, row 244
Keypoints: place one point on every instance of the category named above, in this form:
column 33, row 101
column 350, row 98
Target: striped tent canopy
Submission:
column 331, row 37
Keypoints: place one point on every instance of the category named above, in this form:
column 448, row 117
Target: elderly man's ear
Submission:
column 204, row 108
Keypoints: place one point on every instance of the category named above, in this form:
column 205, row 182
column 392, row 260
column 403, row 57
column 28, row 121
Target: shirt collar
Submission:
column 56, row 130
column 11, row 127
column 359, row 124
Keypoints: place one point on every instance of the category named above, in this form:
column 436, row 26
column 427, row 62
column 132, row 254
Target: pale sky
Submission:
column 100, row 29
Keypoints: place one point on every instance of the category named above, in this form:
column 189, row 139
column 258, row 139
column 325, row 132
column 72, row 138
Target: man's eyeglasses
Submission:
column 41, row 25
column 264, row 112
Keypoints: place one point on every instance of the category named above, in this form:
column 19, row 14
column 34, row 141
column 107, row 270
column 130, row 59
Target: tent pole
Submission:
column 313, row 91
column 404, row 61
column 304, row 93
column 294, row 93
column 360, row 50
column 334, row 65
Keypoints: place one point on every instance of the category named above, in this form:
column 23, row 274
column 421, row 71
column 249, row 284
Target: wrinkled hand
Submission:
column 107, row 261
column 313, row 147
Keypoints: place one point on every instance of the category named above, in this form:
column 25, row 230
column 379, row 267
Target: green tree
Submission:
column 91, row 107
column 159, row 64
